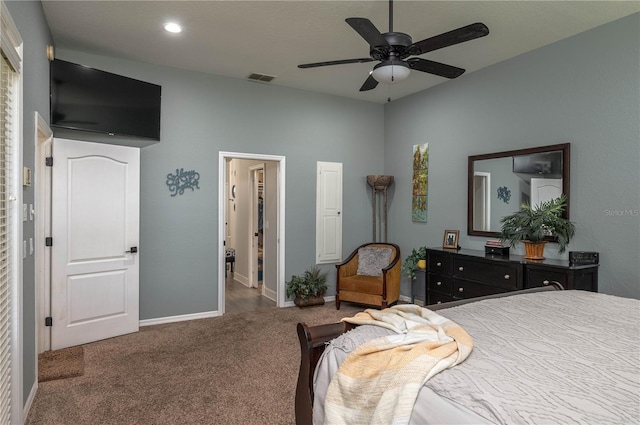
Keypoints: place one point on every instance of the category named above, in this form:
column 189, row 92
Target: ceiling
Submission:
column 235, row 38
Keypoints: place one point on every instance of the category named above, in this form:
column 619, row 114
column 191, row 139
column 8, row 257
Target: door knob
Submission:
column 132, row 250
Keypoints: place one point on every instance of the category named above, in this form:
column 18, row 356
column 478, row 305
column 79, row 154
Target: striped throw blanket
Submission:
column 378, row 382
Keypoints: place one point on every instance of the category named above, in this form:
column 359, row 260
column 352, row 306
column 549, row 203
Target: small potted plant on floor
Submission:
column 417, row 259
column 533, row 225
column 308, row 289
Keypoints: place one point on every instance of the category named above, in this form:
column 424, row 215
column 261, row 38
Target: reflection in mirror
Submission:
column 498, row 183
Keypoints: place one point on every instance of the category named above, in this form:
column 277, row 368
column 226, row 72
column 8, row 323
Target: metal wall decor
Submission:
column 182, row 180
column 504, row 194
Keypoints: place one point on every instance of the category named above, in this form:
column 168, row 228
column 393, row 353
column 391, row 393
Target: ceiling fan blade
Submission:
column 338, row 62
column 435, row 68
column 368, row 31
column 369, row 84
column 450, row 38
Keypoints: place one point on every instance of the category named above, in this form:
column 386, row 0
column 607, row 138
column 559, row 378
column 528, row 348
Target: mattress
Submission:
column 548, row 357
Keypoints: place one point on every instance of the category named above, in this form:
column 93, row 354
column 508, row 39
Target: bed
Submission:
column 540, row 356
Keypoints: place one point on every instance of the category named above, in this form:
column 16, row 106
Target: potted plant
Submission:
column 417, row 259
column 308, row 289
column 533, row 225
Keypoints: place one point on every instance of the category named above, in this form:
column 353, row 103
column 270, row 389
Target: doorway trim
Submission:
column 485, row 194
column 44, row 138
column 222, row 164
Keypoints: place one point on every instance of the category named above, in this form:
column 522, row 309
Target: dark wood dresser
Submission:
column 459, row 274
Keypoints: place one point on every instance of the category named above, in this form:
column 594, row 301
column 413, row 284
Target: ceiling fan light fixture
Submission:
column 173, row 27
column 389, row 72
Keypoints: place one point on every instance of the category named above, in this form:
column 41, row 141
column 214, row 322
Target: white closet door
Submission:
column 329, row 212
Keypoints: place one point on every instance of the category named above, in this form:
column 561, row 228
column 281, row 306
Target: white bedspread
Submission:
column 558, row 357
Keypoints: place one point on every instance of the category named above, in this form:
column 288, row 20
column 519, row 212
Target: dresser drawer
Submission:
column 439, row 283
column 439, row 263
column 433, row 298
column 585, row 278
column 505, row 275
column 537, row 277
column 464, row 289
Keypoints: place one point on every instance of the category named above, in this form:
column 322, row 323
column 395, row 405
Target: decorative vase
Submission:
column 534, row 250
column 422, row 264
column 313, row 300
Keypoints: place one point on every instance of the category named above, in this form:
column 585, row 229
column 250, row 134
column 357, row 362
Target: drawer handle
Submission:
column 439, row 283
column 506, row 276
column 461, row 268
column 545, row 282
column 460, row 289
column 438, row 264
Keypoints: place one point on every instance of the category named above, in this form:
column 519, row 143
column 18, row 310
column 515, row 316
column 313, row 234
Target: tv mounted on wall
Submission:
column 90, row 100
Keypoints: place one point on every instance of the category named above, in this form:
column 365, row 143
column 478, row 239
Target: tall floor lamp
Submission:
column 379, row 185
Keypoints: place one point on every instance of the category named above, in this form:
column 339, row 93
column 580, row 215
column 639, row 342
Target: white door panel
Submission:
column 328, row 214
column 544, row 190
column 95, row 221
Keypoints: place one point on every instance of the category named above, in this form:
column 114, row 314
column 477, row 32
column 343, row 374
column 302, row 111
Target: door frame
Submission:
column 42, row 179
column 280, row 254
column 253, row 225
column 486, row 197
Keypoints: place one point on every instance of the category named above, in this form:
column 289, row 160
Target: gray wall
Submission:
column 29, row 18
column 583, row 90
column 204, row 114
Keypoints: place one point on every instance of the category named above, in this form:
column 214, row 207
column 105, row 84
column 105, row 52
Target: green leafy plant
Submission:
column 410, row 263
column 313, row 282
column 538, row 222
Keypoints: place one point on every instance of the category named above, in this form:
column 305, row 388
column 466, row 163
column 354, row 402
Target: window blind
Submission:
column 7, row 119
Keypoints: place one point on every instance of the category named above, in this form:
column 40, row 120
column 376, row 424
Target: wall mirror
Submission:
column 498, row 183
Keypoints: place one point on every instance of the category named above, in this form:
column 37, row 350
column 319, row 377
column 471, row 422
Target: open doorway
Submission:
column 251, row 224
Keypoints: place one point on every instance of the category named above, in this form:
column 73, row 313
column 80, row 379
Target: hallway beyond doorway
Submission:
column 240, row 299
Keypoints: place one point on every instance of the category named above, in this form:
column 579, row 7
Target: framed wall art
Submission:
column 419, row 183
column 450, row 239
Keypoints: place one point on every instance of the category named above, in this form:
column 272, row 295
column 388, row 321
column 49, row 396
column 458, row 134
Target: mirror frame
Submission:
column 566, row 161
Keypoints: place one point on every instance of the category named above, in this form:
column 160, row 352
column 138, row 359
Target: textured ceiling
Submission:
column 237, row 38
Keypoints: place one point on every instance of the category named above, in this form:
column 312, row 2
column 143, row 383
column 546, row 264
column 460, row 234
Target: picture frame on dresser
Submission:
column 450, row 240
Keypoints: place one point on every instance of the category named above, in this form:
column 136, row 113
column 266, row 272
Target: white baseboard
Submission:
column 269, row 293
column 181, row 318
column 408, row 300
column 205, row 315
column 29, row 401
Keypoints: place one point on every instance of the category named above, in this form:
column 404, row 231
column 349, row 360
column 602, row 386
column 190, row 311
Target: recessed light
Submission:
column 172, row 27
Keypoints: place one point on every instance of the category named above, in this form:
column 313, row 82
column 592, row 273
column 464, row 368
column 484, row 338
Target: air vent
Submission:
column 261, row 77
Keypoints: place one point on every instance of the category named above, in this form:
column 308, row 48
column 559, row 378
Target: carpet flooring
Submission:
column 61, row 364
column 236, row 369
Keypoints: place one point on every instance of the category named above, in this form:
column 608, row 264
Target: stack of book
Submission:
column 495, row 247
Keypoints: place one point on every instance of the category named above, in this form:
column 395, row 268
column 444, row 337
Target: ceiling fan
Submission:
column 393, row 49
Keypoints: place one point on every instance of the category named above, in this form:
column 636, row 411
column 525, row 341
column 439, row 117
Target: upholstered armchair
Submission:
column 370, row 275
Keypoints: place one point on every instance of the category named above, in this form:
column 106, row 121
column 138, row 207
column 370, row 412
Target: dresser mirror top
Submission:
column 499, row 182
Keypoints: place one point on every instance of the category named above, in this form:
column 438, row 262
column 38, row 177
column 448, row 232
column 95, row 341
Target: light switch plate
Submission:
column 26, row 176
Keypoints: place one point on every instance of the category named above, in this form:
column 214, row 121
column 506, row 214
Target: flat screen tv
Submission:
column 88, row 99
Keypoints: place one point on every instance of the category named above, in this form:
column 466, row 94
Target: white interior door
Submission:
column 328, row 212
column 543, row 190
column 95, row 225
column 254, row 181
